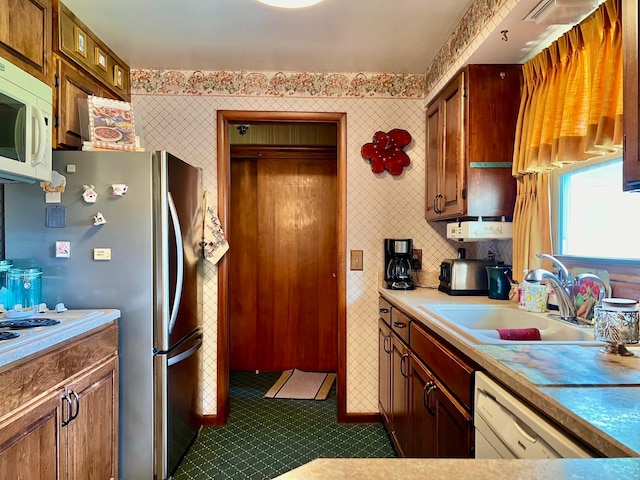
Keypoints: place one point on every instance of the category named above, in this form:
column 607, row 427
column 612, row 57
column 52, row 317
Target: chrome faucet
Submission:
column 563, row 272
column 564, row 287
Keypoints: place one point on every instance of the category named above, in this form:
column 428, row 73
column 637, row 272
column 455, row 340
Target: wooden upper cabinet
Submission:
column 631, row 166
column 73, row 40
column 84, row 66
column 71, row 85
column 25, row 35
column 470, row 136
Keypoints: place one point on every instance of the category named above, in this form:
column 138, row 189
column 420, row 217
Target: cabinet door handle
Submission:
column 384, row 310
column 425, row 394
column 432, row 388
column 399, row 324
column 77, row 403
column 384, row 344
column 402, row 363
column 436, row 203
column 65, row 421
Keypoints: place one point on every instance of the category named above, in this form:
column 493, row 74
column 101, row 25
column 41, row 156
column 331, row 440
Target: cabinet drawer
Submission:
column 384, row 310
column 400, row 324
column 38, row 374
column 452, row 370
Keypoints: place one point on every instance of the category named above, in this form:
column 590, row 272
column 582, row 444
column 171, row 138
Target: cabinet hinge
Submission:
column 56, row 80
column 464, row 193
column 464, row 92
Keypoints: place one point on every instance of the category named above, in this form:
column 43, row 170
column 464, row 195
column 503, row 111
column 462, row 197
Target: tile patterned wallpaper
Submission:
column 378, row 206
column 176, row 111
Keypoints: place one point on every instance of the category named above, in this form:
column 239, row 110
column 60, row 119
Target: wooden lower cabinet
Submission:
column 441, row 427
column 92, row 436
column 400, row 420
column 384, row 370
column 60, row 420
column 424, row 390
column 29, row 443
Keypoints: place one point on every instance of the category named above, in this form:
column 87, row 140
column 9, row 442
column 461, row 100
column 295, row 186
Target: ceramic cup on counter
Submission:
column 616, row 322
column 535, row 297
column 498, row 279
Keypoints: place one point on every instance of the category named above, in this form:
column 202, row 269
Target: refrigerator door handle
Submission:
column 179, row 261
column 186, row 354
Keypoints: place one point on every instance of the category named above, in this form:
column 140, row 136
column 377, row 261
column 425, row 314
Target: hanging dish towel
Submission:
column 215, row 243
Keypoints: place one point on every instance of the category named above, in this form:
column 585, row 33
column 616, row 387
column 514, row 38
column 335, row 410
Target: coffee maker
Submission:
column 397, row 262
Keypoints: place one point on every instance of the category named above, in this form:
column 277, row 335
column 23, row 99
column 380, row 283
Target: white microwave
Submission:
column 25, row 126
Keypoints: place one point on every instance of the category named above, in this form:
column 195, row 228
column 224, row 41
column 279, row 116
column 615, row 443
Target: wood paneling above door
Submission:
column 283, row 256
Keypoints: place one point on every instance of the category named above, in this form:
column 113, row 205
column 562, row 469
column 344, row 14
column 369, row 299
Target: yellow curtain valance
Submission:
column 571, row 107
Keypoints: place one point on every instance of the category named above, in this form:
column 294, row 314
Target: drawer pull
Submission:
column 399, row 325
column 384, row 310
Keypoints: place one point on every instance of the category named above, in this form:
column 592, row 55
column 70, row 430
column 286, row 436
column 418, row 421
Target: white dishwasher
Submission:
column 507, row 428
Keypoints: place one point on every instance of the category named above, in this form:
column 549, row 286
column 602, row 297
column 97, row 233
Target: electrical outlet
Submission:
column 416, row 259
column 356, row 259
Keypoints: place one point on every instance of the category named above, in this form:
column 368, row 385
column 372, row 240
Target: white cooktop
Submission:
column 33, row 340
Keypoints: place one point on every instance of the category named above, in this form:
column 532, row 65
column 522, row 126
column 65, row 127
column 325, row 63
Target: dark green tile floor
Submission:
column 267, row 437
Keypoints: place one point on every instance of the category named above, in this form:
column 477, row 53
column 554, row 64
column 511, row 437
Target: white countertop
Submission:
column 33, row 340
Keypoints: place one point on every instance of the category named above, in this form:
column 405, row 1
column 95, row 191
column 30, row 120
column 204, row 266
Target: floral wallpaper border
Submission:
column 476, row 19
column 321, row 84
column 276, row 84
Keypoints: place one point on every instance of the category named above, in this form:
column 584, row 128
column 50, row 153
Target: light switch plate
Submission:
column 356, row 259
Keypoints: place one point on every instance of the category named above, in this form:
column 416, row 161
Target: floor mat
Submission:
column 300, row 385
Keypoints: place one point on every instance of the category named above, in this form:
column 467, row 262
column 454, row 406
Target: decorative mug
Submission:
column 119, row 189
column 535, row 297
column 616, row 321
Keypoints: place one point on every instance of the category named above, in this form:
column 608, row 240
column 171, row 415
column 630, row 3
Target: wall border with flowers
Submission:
column 476, row 24
column 276, row 84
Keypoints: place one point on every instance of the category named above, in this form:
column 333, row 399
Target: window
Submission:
column 591, row 212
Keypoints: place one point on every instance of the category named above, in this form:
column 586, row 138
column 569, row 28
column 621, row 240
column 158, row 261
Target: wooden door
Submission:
column 31, row 443
column 92, row 432
column 283, row 307
column 384, row 370
column 454, row 426
column 433, row 161
column 26, row 35
column 71, row 86
column 452, row 118
column 423, row 414
column 399, row 393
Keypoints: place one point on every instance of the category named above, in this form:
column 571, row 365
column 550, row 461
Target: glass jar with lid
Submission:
column 5, row 298
column 25, row 286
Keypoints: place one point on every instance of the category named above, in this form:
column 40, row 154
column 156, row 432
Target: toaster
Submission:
column 464, row 277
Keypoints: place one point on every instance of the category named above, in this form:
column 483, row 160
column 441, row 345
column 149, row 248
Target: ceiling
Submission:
column 395, row 36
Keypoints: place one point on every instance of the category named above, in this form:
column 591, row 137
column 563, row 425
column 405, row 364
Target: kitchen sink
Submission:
column 479, row 323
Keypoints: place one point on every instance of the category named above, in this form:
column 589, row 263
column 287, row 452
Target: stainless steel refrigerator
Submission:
column 146, row 261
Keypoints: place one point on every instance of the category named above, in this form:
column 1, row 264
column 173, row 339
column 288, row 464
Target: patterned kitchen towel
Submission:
column 215, row 243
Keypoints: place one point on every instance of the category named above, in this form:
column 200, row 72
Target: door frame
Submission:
column 224, row 119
